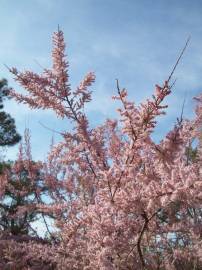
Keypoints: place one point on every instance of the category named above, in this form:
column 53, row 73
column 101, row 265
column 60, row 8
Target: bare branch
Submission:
column 178, row 60
column 50, row 129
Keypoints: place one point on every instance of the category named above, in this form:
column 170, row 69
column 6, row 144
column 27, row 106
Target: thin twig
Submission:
column 50, row 129
column 37, row 62
column 178, row 60
column 172, row 85
column 35, row 232
column 179, row 120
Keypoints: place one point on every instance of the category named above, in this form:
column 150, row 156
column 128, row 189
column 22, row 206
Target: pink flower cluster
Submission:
column 120, row 200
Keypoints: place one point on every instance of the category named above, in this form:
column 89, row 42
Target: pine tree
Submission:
column 8, row 133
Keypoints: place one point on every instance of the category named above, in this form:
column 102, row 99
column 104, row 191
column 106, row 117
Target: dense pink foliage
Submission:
column 120, row 200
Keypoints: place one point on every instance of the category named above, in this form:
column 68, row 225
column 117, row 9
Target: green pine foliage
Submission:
column 8, row 133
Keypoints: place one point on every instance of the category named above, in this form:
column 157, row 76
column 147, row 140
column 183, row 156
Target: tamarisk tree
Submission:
column 22, row 189
column 121, row 201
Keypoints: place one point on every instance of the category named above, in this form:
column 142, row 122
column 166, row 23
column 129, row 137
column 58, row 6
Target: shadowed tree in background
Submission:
column 8, row 133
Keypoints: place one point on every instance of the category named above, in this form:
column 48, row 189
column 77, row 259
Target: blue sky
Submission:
column 135, row 41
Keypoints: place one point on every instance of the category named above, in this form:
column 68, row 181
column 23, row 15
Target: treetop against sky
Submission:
column 134, row 41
